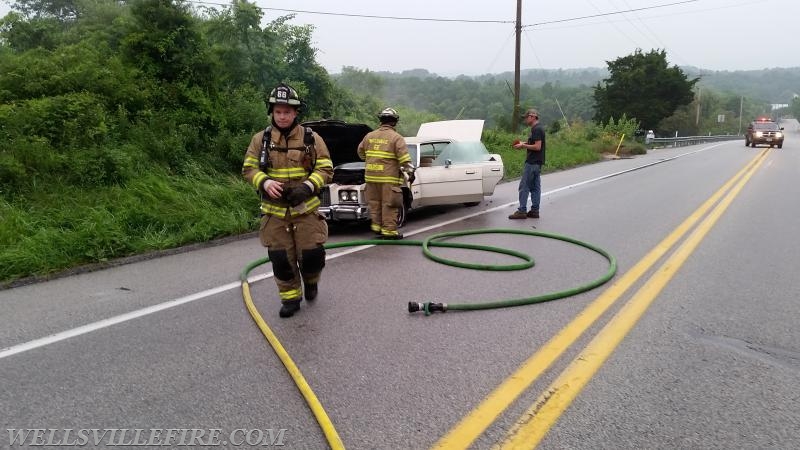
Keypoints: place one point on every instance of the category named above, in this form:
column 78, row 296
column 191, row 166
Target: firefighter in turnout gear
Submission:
column 288, row 164
column 387, row 159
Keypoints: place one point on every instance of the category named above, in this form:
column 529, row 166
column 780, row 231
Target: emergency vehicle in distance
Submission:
column 763, row 130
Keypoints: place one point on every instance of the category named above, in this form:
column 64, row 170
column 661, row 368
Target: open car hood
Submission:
column 341, row 138
column 458, row 130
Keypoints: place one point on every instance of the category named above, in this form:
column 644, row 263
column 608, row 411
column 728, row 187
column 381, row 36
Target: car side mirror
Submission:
column 448, row 163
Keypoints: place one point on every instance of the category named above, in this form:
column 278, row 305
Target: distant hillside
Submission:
column 777, row 85
column 588, row 76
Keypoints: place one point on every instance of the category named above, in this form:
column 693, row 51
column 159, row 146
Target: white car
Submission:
column 452, row 166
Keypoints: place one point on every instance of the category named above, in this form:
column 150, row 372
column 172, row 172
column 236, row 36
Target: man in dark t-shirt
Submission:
column 531, row 182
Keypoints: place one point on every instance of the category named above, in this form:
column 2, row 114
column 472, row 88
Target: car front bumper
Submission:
column 768, row 140
column 344, row 212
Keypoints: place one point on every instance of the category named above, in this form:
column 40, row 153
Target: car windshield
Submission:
column 765, row 126
column 462, row 153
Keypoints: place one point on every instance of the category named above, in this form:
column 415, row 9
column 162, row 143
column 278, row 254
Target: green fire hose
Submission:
column 439, row 240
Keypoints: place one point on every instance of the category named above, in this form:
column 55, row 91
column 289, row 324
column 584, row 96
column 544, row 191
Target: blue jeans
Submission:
column 530, row 183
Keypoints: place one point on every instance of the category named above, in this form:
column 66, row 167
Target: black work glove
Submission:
column 298, row 194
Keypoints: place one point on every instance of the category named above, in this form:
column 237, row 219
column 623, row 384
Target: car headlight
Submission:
column 348, row 196
column 758, row 134
column 778, row 134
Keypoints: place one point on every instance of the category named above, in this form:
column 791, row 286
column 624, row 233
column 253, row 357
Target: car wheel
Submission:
column 753, row 144
column 780, row 145
column 401, row 216
column 471, row 204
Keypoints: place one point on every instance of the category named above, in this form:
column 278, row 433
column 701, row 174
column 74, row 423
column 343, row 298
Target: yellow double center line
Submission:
column 537, row 420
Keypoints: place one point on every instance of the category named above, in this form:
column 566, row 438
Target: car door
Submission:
column 493, row 171
column 449, row 179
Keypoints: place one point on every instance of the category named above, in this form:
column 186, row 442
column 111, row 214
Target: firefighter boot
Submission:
column 391, row 235
column 310, row 290
column 289, row 307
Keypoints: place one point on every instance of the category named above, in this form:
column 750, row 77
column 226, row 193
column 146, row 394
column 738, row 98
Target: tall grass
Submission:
column 561, row 152
column 57, row 230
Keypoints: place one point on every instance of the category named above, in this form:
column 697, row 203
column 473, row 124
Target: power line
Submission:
column 429, row 19
column 362, row 16
column 609, row 13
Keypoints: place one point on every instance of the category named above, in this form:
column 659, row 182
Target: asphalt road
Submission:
column 712, row 362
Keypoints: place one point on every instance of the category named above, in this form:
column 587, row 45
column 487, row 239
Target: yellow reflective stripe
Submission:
column 274, row 209
column 291, row 294
column 294, row 173
column 312, row 203
column 250, row 161
column 375, row 167
column 404, row 158
column 258, row 179
column 380, row 154
column 325, row 162
column 287, row 171
column 316, row 179
column 383, row 179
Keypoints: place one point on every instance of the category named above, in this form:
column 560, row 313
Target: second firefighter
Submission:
column 387, row 160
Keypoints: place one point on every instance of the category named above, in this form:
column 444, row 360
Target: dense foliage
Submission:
column 123, row 124
column 794, row 107
column 775, row 85
column 489, row 98
column 560, row 102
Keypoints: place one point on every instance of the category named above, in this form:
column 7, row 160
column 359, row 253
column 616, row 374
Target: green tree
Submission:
column 642, row 86
column 63, row 10
column 164, row 42
column 794, row 107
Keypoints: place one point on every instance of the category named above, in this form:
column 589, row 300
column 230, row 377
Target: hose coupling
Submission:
column 428, row 307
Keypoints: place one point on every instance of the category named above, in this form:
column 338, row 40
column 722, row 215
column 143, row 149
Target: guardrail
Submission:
column 691, row 140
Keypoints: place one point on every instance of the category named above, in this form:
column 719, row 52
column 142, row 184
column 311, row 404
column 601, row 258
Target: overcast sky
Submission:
column 711, row 34
column 476, row 37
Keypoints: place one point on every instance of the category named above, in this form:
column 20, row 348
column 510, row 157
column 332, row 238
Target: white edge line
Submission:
column 41, row 342
column 84, row 329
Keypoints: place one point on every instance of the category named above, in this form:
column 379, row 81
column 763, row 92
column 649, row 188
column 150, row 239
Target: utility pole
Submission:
column 515, row 116
column 741, row 101
column 697, row 118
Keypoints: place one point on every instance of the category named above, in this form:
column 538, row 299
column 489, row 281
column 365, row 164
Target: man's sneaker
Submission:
column 533, row 214
column 518, row 215
column 310, row 291
column 288, row 308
